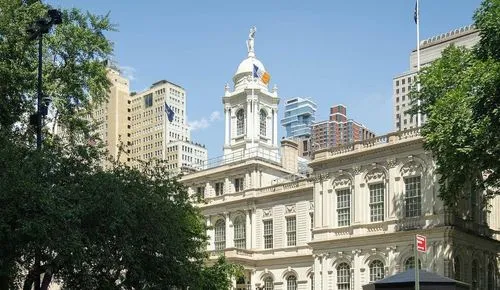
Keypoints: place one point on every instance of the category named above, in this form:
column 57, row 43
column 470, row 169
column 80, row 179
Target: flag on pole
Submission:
column 415, row 13
column 264, row 76
column 170, row 112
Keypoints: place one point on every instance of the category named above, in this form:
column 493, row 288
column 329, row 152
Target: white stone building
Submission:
column 352, row 221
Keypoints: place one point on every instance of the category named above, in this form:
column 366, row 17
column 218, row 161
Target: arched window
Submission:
column 410, row 263
column 376, row 270
column 491, row 276
column 458, row 271
column 239, row 232
column 291, row 283
column 343, row 277
column 220, row 235
column 263, row 119
column 268, row 283
column 240, row 122
column 475, row 275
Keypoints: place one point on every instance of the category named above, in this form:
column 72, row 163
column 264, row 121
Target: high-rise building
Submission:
column 430, row 50
column 299, row 115
column 111, row 116
column 151, row 132
column 338, row 130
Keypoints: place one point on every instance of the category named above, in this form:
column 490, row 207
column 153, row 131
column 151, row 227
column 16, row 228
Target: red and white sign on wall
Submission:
column 421, row 243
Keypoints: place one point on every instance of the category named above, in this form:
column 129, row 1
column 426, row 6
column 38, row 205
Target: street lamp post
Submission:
column 36, row 31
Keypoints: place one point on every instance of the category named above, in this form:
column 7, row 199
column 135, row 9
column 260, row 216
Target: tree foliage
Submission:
column 65, row 217
column 74, row 62
column 460, row 94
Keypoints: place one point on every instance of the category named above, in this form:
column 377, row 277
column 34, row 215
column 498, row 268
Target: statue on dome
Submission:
column 250, row 41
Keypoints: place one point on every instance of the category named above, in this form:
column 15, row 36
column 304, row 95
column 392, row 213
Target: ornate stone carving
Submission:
column 290, row 208
column 356, row 169
column 342, row 181
column 267, row 212
column 392, row 162
column 311, row 205
column 375, row 175
column 411, row 168
column 320, row 177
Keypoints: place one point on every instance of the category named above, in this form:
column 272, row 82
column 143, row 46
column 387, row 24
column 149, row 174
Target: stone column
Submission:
column 210, row 233
column 253, row 232
column 229, row 227
column 275, row 127
column 248, row 230
column 227, row 135
column 248, row 119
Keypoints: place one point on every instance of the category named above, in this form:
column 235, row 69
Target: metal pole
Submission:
column 39, row 139
column 419, row 115
column 39, row 96
column 417, row 272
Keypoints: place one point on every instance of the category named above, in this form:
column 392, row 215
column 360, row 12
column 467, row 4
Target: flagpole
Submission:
column 419, row 116
column 417, row 274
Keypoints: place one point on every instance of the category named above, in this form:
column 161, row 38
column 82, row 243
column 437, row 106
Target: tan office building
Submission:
column 430, row 50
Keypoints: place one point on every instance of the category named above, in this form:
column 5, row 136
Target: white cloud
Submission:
column 215, row 116
column 128, row 72
column 204, row 122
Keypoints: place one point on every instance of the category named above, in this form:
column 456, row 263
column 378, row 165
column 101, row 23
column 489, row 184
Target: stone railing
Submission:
column 258, row 153
column 286, row 186
column 391, row 138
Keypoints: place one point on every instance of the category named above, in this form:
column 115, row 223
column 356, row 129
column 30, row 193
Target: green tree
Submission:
column 87, row 226
column 460, row 94
column 74, row 63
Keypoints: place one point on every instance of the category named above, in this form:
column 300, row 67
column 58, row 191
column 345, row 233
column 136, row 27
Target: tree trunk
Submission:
column 4, row 282
column 47, row 278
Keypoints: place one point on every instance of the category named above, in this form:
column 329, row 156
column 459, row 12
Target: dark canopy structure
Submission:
column 406, row 281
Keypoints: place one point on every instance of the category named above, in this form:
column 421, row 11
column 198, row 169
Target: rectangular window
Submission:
column 238, row 184
column 291, row 231
column 344, row 207
column 268, row 234
column 219, row 188
column 148, row 100
column 413, row 197
column 377, row 202
column 200, row 190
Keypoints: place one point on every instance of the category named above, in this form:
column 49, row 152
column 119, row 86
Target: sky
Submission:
column 331, row 51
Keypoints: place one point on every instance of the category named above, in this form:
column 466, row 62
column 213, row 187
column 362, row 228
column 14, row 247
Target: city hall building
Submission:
column 347, row 219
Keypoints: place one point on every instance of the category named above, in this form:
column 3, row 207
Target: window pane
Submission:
column 268, row 234
column 239, row 233
column 240, row 122
column 344, row 207
column 291, row 283
column 413, row 197
column 268, row 284
column 220, row 235
column 263, row 117
column 291, row 231
column 376, row 270
column 343, row 277
column 377, row 202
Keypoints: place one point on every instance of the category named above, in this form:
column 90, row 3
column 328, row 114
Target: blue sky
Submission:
column 330, row 51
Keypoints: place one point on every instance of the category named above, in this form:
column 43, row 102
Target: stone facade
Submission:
column 351, row 222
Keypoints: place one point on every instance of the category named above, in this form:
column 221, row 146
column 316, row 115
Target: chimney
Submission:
column 289, row 155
